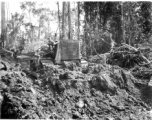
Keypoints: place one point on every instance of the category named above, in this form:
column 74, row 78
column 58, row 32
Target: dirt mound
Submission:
column 19, row 100
column 70, row 93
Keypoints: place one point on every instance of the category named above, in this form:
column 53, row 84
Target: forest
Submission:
column 93, row 23
column 76, row 60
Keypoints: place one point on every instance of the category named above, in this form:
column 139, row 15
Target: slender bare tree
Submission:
column 78, row 8
column 63, row 15
column 69, row 21
column 59, row 19
column 3, row 23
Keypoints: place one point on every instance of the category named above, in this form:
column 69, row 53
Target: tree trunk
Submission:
column 59, row 19
column 3, row 22
column 130, row 25
column 78, row 19
column 123, row 28
column 63, row 15
column 90, row 27
column 97, row 24
column 69, row 21
column 39, row 31
column 7, row 11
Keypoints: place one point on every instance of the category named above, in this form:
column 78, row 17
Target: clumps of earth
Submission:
column 73, row 91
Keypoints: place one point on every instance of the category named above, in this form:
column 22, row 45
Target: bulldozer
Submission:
column 44, row 53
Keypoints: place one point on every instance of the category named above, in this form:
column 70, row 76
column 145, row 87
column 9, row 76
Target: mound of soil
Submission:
column 71, row 91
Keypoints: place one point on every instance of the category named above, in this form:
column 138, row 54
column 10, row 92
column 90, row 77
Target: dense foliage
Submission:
column 128, row 22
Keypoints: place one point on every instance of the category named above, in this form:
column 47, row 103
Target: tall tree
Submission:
column 59, row 20
column 122, row 12
column 78, row 12
column 3, row 24
column 63, row 21
column 69, row 21
column 146, row 19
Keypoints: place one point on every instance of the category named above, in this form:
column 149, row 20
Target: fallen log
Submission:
column 130, row 47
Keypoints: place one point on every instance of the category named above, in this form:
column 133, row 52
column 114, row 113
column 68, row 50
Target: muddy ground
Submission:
column 73, row 91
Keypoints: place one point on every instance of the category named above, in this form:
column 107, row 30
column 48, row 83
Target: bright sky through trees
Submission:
column 14, row 6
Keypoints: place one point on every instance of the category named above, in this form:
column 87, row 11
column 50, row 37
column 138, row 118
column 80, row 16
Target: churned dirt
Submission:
column 93, row 90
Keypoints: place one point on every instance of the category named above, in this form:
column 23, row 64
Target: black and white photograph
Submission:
column 76, row 60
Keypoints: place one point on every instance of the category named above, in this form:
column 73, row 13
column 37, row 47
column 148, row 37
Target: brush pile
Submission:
column 128, row 57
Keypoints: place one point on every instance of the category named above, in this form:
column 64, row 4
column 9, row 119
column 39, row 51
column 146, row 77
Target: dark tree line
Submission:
column 128, row 22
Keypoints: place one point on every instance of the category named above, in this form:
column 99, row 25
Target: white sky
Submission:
column 14, row 6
